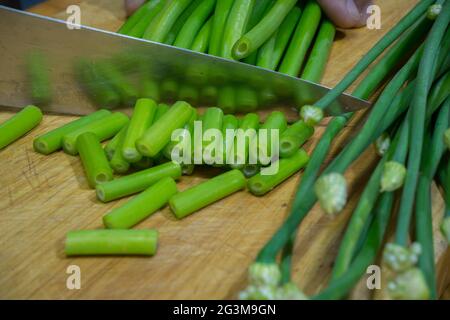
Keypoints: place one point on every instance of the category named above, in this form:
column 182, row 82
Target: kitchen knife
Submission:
column 76, row 71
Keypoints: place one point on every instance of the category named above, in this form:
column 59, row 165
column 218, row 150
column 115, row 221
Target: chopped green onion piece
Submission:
column 94, row 159
column 136, row 182
column 52, row 140
column 203, row 194
column 112, row 145
column 141, row 120
column 159, row 134
column 19, row 124
column 261, row 184
column 103, row 128
column 141, row 206
column 111, row 242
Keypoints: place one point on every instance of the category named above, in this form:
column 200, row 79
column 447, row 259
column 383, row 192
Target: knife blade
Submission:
column 76, row 71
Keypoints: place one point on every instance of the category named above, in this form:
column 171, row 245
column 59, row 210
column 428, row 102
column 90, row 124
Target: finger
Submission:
column 132, row 5
column 346, row 13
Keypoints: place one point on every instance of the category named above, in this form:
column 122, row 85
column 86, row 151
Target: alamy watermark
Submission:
column 73, row 281
column 374, row 20
column 235, row 147
column 73, row 20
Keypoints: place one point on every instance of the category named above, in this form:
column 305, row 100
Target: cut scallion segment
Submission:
column 199, row 196
column 261, row 184
column 112, row 145
column 294, row 137
column 52, row 140
column 259, row 34
column 94, row 159
column 301, row 41
column 103, row 128
column 136, row 182
column 118, row 163
column 111, row 242
column 141, row 206
column 141, row 120
column 159, row 134
column 19, row 124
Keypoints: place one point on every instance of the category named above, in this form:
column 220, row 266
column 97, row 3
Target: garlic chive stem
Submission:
column 145, row 13
column 263, row 30
column 160, row 111
column 236, row 26
column 94, row 159
column 294, row 137
column 52, row 140
column 425, row 76
column 194, row 23
column 205, row 193
column 136, row 182
column 189, row 126
column 142, row 118
column 275, row 121
column 261, row 184
column 180, row 22
column 19, row 124
column 118, row 163
column 305, row 198
column 141, row 206
column 159, row 134
column 424, row 227
column 302, row 39
column 317, row 61
column 161, row 25
column 153, row 8
column 341, row 286
column 103, row 128
column 414, row 15
column 212, row 119
column 365, row 208
column 284, row 35
column 111, row 242
column 112, row 145
column 222, row 10
column 230, row 122
column 249, row 122
column 201, row 41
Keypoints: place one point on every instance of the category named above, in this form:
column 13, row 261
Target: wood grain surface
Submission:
column 204, row 256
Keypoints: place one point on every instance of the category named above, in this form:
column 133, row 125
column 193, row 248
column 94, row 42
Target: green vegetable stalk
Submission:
column 203, row 194
column 19, row 124
column 142, row 118
column 94, row 159
column 136, row 182
column 302, row 39
column 141, row 206
column 259, row 34
column 52, row 140
column 159, row 134
column 111, row 242
column 103, row 128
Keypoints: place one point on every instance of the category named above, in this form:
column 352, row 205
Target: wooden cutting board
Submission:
column 204, row 256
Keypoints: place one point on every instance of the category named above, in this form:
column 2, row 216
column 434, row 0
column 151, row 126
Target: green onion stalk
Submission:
column 425, row 78
column 304, row 199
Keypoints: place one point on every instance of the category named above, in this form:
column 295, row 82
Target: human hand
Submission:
column 346, row 13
